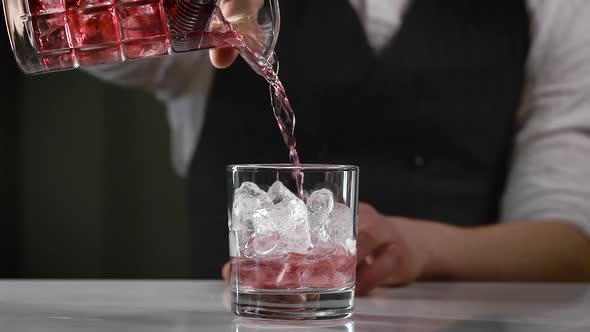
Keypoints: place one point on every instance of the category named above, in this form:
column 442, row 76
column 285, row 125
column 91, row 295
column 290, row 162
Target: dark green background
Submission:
column 87, row 188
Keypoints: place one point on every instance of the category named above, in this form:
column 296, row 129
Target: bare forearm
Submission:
column 523, row 251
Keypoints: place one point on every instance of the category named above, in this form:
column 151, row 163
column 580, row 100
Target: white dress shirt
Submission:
column 550, row 170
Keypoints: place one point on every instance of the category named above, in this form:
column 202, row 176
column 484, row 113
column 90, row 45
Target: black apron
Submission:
column 430, row 120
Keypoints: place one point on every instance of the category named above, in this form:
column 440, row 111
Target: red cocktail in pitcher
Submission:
column 292, row 243
column 55, row 35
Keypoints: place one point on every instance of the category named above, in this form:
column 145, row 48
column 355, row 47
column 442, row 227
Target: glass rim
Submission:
column 290, row 167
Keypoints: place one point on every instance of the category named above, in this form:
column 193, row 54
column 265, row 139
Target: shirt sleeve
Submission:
column 182, row 82
column 550, row 172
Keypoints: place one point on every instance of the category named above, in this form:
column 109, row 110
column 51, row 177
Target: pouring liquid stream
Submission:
column 282, row 109
column 285, row 117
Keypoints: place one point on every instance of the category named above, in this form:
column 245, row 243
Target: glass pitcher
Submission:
column 55, row 35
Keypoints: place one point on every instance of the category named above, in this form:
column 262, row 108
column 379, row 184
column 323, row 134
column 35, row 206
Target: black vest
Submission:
column 430, row 120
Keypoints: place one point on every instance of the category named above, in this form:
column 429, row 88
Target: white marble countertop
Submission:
column 182, row 306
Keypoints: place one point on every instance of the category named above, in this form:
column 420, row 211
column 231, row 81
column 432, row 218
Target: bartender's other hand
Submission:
column 387, row 252
column 225, row 271
column 223, row 57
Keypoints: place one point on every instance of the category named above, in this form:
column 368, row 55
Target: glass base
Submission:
column 290, row 305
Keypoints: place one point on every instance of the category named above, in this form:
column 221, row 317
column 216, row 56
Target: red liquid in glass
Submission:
column 295, row 272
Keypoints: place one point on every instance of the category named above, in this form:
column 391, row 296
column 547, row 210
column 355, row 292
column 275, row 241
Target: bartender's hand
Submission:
column 394, row 251
column 224, row 57
column 390, row 251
